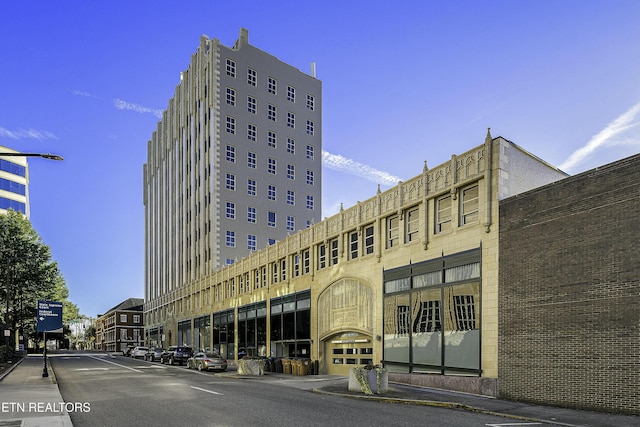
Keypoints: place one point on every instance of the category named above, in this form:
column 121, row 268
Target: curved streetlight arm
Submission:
column 44, row 156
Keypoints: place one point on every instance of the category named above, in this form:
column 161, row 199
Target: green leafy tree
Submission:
column 28, row 274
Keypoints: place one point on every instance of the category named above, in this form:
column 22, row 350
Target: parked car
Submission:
column 204, row 361
column 127, row 351
column 139, row 351
column 175, row 353
column 153, row 355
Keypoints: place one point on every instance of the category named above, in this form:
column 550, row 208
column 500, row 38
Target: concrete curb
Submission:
column 447, row 405
column 8, row 371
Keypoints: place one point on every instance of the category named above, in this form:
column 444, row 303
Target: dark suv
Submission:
column 175, row 354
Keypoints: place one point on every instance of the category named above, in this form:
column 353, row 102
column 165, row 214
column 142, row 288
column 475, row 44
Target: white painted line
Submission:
column 92, row 369
column 514, row 424
column 114, row 363
column 205, row 390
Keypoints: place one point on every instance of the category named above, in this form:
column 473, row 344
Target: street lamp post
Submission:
column 44, row 156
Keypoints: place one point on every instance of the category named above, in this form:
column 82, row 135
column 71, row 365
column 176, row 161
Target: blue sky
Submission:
column 403, row 82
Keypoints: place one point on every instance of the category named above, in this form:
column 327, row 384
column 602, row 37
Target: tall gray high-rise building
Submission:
column 234, row 164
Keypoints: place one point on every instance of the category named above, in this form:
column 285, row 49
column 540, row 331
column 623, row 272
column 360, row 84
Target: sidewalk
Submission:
column 28, row 399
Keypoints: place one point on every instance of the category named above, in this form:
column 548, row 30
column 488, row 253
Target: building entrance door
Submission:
column 347, row 350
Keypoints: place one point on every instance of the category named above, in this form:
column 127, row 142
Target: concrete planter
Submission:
column 369, row 381
column 250, row 367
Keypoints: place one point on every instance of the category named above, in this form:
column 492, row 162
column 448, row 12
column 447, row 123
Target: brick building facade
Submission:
column 121, row 326
column 569, row 300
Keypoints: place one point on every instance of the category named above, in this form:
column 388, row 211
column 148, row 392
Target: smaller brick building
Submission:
column 121, row 326
column 569, row 300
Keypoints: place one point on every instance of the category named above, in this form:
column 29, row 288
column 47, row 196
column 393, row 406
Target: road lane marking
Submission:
column 514, row 424
column 114, row 363
column 205, row 390
column 91, row 369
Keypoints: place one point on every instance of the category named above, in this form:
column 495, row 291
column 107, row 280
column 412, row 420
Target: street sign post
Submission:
column 49, row 316
column 49, row 320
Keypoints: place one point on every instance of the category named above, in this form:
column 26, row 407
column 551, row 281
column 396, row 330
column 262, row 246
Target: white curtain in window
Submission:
column 429, row 279
column 462, row 272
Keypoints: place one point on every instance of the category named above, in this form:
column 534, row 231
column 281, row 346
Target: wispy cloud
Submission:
column 342, row 164
column 121, row 104
column 615, row 133
column 26, row 134
column 124, row 105
column 85, row 94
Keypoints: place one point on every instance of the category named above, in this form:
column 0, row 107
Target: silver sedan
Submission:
column 204, row 361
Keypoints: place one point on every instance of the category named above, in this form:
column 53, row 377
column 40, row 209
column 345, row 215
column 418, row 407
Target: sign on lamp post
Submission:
column 49, row 320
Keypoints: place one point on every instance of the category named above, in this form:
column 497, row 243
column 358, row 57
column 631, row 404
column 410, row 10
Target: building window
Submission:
column 310, row 127
column 443, row 214
column 310, row 102
column 252, row 160
column 306, row 261
column 322, row 256
column 310, row 177
column 469, row 205
column 231, row 96
column 411, row 225
column 291, row 146
column 272, row 112
column 353, row 245
column 231, row 153
column 272, row 139
column 309, row 152
column 231, row 239
column 291, row 94
column 230, row 183
column 291, row 120
column 252, row 105
column 291, row 172
column 231, row 210
column 123, row 318
column 228, row 261
column 231, row 125
column 136, row 318
column 310, row 203
column 251, row 187
column 291, row 223
column 291, row 197
column 296, row 265
column 251, row 242
column 368, row 240
column 231, row 68
column 333, row 254
column 252, row 132
column 271, row 192
column 283, row 269
column 271, row 219
column 272, row 85
column 271, row 166
column 393, row 233
column 251, row 215
column 252, row 77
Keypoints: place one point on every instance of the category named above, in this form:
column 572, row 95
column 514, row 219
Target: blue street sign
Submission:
column 49, row 316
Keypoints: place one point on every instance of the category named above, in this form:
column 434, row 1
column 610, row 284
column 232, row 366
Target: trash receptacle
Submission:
column 294, row 366
column 286, row 366
column 304, row 368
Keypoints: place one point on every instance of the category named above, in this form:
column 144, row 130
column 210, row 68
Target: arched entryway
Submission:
column 345, row 325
